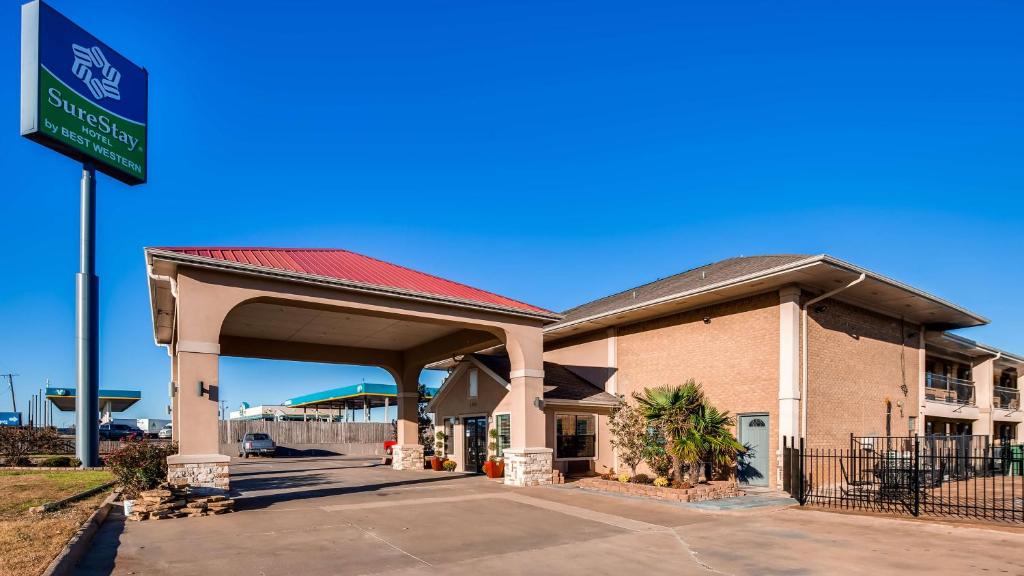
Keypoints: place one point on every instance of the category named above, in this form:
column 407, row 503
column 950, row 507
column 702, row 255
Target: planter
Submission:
column 701, row 492
column 494, row 468
column 436, row 464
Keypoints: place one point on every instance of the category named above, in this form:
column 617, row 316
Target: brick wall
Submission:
column 735, row 356
column 857, row 360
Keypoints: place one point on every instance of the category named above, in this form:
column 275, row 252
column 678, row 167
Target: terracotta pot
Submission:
column 494, row 468
column 437, row 464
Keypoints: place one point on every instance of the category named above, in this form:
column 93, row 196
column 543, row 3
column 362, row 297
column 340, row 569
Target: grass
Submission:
column 30, row 541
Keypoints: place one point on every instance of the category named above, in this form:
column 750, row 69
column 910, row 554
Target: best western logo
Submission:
column 100, row 122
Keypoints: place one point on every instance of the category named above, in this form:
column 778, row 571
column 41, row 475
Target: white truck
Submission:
column 151, row 426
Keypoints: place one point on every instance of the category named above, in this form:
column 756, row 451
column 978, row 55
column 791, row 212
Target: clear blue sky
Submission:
column 552, row 152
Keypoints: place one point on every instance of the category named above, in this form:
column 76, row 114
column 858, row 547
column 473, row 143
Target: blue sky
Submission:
column 554, row 152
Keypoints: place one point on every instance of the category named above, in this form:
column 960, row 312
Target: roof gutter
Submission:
column 791, row 267
column 804, row 345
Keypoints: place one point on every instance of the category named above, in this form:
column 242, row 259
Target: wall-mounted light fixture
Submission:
column 538, row 402
column 203, row 389
column 707, row 319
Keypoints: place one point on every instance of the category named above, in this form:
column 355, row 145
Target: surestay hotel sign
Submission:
column 80, row 97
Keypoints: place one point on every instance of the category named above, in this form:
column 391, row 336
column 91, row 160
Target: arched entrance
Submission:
column 338, row 307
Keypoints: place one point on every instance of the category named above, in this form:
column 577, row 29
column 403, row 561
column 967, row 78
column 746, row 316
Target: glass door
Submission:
column 476, row 443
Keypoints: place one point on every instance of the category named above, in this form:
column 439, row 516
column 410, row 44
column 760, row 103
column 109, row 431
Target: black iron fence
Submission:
column 961, row 476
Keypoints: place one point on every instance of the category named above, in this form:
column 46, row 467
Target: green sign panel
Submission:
column 80, row 97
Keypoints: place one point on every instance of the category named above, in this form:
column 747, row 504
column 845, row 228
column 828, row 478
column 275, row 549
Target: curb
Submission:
column 65, row 562
column 58, row 468
column 48, row 506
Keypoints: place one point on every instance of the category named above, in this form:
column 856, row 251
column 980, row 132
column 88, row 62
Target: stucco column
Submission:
column 408, row 453
column 983, row 374
column 198, row 461
column 789, row 370
column 528, row 459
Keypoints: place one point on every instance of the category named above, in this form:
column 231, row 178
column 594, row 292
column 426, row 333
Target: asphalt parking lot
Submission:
column 352, row 516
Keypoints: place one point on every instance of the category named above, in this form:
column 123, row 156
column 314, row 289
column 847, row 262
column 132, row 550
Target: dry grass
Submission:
column 30, row 541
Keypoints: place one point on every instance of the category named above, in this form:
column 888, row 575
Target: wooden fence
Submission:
column 294, row 433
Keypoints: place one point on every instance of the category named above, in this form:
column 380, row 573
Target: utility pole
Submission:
column 10, row 382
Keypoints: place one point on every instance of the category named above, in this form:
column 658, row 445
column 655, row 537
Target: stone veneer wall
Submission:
column 210, row 477
column 407, row 457
column 713, row 491
column 529, row 467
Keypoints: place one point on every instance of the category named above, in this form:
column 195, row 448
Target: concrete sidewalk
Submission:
column 342, row 516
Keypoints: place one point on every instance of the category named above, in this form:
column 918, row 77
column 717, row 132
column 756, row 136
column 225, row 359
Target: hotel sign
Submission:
column 80, row 97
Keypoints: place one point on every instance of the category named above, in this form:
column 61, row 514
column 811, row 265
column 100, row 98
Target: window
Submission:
column 575, row 436
column 449, row 436
column 503, row 423
column 473, row 383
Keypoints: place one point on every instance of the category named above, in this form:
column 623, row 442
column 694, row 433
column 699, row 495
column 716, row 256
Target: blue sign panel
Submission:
column 10, row 418
column 81, row 97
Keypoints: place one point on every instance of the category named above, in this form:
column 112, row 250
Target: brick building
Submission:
column 791, row 345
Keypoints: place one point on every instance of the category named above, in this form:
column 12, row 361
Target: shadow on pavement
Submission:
column 264, row 500
column 99, row 560
column 299, row 470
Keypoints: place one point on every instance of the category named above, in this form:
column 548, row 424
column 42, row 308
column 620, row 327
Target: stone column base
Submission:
column 528, row 466
column 407, row 457
column 205, row 473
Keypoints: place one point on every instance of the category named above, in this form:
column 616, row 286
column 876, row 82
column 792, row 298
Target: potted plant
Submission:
column 494, row 467
column 437, row 462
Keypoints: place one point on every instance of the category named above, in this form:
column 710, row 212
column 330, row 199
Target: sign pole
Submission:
column 86, row 328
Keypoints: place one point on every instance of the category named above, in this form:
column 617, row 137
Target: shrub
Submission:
column 655, row 455
column 624, row 477
column 57, row 461
column 449, row 465
column 17, row 443
column 661, row 482
column 641, row 479
column 627, row 427
column 138, row 465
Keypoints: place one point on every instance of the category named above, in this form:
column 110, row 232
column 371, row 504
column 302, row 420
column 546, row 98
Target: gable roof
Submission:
column 560, row 383
column 348, row 269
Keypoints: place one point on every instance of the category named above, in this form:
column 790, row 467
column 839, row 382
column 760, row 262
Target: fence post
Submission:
column 915, row 482
column 800, row 470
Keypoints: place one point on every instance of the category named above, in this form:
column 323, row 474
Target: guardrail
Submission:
column 940, row 388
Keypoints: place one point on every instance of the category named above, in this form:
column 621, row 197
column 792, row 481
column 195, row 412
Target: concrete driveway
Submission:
column 351, row 516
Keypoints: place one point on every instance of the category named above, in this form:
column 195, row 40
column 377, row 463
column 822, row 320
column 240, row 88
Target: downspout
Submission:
column 804, row 346
column 174, row 293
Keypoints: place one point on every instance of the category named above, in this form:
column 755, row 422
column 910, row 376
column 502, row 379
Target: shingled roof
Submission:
column 560, row 383
column 695, row 278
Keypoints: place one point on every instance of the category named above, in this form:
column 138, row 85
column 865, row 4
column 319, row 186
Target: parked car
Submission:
column 257, row 443
column 164, row 432
column 113, row 431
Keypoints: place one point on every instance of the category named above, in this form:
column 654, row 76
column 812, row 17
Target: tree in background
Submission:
column 425, row 422
column 628, row 428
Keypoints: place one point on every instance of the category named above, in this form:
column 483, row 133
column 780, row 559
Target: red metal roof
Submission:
column 352, row 267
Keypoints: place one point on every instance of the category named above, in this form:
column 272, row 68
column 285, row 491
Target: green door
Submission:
column 752, row 467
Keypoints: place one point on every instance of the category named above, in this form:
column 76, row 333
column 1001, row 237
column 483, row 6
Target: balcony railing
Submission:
column 949, row 390
column 1006, row 398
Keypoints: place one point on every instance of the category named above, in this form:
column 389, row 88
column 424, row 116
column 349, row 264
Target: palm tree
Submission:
column 670, row 409
column 709, row 439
